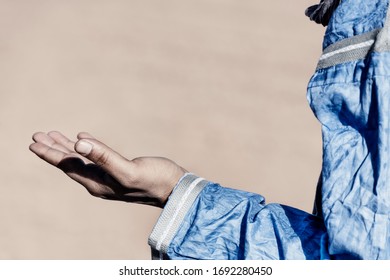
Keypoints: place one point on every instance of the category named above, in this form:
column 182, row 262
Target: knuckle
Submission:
column 133, row 177
column 103, row 158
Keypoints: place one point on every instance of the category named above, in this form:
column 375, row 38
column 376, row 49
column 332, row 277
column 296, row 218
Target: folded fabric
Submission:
column 349, row 94
column 322, row 12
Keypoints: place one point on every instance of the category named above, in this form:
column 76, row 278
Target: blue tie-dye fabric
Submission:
column 351, row 100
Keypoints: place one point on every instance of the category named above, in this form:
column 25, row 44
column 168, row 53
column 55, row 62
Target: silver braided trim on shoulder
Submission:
column 349, row 49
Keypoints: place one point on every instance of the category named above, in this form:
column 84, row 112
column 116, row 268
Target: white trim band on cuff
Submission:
column 179, row 203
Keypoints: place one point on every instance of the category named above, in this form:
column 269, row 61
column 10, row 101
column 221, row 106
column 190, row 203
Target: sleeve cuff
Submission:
column 179, row 203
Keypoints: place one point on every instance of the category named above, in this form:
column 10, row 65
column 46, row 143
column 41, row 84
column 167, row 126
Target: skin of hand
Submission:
column 107, row 174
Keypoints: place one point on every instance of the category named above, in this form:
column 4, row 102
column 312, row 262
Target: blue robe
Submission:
column 350, row 95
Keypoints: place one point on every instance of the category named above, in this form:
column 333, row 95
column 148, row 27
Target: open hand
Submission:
column 107, row 174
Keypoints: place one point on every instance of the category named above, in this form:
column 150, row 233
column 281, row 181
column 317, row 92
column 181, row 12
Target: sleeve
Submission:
column 203, row 220
column 349, row 95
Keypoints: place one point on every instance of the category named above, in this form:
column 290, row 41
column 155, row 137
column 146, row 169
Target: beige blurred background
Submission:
column 218, row 86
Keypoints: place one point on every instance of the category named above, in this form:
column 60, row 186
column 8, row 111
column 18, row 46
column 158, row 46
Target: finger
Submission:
column 84, row 135
column 47, row 153
column 109, row 160
column 45, row 139
column 92, row 177
column 59, row 138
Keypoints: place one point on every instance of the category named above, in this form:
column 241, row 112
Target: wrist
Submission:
column 179, row 176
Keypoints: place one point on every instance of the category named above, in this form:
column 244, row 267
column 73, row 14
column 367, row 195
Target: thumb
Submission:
column 105, row 157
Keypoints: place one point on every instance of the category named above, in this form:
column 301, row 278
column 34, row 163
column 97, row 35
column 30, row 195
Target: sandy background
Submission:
column 218, row 86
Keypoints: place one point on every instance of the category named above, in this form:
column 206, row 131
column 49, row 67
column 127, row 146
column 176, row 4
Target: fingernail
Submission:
column 83, row 147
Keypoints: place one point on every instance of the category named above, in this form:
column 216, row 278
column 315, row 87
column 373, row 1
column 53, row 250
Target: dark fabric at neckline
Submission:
column 322, row 12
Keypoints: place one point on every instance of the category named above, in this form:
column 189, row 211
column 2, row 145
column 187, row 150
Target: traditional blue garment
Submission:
column 350, row 95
